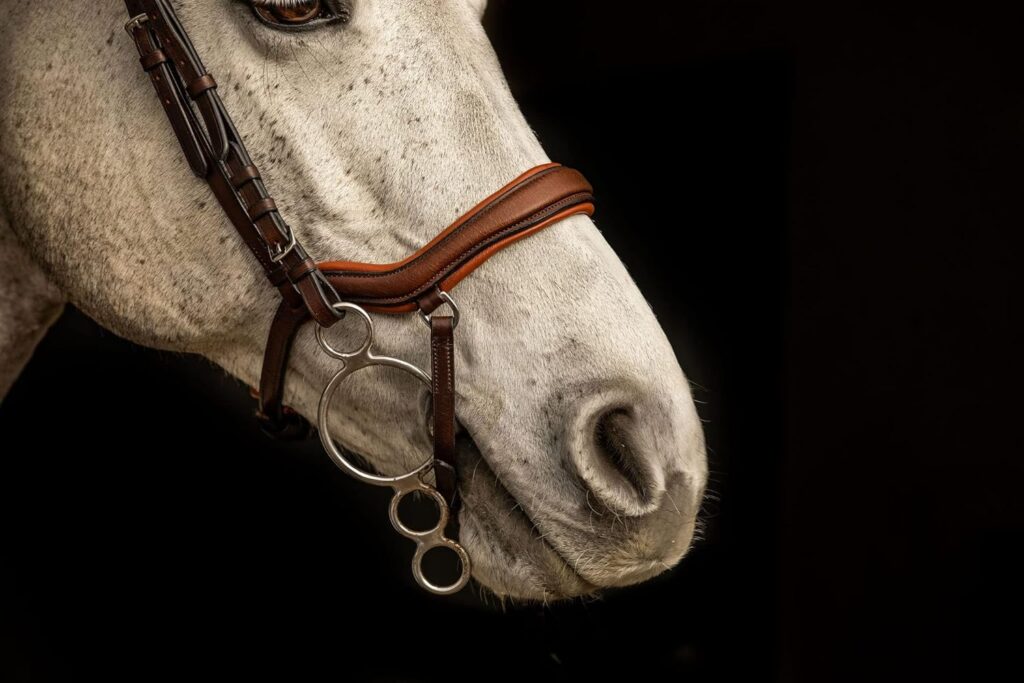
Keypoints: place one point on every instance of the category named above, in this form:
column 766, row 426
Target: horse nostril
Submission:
column 612, row 442
column 617, row 465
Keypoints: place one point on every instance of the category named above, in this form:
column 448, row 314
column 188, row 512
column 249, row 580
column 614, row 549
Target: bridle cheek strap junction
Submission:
column 535, row 200
column 327, row 292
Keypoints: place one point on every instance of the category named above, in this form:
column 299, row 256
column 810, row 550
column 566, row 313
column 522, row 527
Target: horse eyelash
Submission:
column 335, row 5
column 341, row 8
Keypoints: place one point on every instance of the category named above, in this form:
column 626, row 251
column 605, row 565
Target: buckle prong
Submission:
column 135, row 22
column 278, row 256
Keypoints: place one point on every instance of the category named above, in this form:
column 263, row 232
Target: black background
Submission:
column 844, row 182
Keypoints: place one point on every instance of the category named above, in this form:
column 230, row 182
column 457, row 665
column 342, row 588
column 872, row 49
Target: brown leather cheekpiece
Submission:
column 216, row 153
column 531, row 202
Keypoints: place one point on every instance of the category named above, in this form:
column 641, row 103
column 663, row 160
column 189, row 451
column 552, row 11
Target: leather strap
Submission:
column 275, row 419
column 442, row 388
column 534, row 200
column 216, row 153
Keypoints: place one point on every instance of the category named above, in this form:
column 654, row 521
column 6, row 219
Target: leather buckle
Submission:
column 277, row 253
column 135, row 22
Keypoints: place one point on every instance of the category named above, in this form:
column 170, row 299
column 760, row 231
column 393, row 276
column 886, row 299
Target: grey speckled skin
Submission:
column 372, row 137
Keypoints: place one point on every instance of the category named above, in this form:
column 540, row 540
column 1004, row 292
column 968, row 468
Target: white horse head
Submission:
column 583, row 455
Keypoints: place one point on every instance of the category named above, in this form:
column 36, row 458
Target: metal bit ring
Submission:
column 363, row 357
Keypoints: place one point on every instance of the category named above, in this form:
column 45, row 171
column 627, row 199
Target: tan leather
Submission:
column 517, row 209
column 525, row 175
column 585, row 207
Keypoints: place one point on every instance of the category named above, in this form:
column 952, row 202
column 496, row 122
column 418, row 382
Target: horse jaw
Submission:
column 583, row 460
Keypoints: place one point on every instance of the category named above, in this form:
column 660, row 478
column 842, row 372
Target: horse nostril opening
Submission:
column 619, row 470
column 612, row 443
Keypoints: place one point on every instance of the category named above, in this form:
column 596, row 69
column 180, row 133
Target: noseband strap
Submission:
column 533, row 201
column 322, row 292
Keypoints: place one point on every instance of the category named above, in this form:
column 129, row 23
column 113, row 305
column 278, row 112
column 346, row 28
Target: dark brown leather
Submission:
column 261, row 208
column 531, row 194
column 431, row 301
column 442, row 388
column 153, row 59
column 245, row 175
column 163, row 22
column 273, row 416
column 154, row 62
column 215, row 152
column 201, row 85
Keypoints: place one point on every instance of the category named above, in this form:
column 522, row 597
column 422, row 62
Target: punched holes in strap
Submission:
column 201, row 85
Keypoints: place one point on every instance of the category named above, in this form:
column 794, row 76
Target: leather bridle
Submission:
column 326, row 292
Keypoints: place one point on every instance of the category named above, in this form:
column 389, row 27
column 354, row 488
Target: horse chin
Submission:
column 510, row 558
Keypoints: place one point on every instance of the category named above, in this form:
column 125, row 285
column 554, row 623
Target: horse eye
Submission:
column 303, row 14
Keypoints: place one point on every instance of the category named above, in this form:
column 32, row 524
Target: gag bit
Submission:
column 403, row 484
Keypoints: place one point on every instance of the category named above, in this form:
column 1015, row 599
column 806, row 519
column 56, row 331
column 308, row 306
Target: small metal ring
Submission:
column 417, row 566
column 403, row 484
column 342, row 307
column 442, row 512
column 447, row 298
